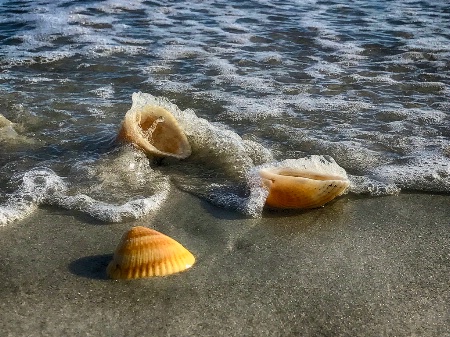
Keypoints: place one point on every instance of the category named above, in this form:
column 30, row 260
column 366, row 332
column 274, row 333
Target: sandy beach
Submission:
column 360, row 266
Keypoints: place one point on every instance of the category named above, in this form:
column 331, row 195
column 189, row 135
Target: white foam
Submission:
column 96, row 112
column 176, row 52
column 424, row 172
column 118, row 6
column 222, row 65
column 374, row 79
column 255, row 109
column 219, row 149
column 323, row 68
column 418, row 116
column 15, row 209
column 314, row 163
column 224, row 54
column 125, row 170
column 251, row 205
column 125, row 175
column 254, row 83
column 269, row 57
column 167, row 85
column 351, row 154
column 434, row 43
column 106, row 92
column 335, row 103
column 37, row 185
column 89, row 34
column 373, row 187
column 219, row 145
column 133, row 209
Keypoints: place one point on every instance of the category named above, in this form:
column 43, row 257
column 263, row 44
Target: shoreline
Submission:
column 367, row 266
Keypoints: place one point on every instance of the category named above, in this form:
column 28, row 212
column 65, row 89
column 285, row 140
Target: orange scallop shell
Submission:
column 144, row 252
column 296, row 188
column 156, row 131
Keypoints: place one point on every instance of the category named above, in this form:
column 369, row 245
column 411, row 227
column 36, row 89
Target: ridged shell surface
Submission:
column 144, row 252
column 156, row 131
column 296, row 188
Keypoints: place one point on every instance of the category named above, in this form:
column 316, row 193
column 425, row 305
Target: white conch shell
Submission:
column 156, row 131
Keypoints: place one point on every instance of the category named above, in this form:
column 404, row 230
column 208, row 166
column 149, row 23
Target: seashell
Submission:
column 4, row 121
column 144, row 252
column 7, row 129
column 298, row 188
column 156, row 131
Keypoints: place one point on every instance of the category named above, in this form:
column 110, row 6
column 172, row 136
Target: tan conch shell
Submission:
column 144, row 252
column 296, row 188
column 156, row 131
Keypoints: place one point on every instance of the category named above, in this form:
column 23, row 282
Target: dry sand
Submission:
column 357, row 267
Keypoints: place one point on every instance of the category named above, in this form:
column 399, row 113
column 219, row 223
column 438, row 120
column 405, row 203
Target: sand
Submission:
column 361, row 266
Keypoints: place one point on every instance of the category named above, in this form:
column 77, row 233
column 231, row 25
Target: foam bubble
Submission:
column 133, row 209
column 310, row 103
column 315, row 163
column 37, row 185
column 258, row 153
column 374, row 79
column 255, row 109
column 223, row 66
column 125, row 170
column 16, row 208
column 269, row 57
column 126, row 175
column 168, row 85
column 106, row 92
column 137, row 189
column 415, row 115
column 434, row 43
column 322, row 68
column 211, row 144
column 176, row 52
column 347, row 48
column 425, row 172
column 96, row 112
column 351, row 154
column 373, row 187
column 118, row 6
column 249, row 201
column 254, row 83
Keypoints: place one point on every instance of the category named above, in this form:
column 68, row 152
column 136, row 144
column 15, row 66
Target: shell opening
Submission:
column 148, row 131
column 156, row 131
column 290, row 172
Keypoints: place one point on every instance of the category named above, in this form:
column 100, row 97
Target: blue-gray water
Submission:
column 367, row 83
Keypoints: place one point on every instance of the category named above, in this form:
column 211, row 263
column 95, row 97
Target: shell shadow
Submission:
column 284, row 213
column 221, row 212
column 93, row 267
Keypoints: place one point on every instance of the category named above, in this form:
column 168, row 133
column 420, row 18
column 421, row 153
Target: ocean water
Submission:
column 362, row 86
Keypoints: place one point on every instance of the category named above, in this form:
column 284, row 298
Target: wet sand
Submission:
column 360, row 266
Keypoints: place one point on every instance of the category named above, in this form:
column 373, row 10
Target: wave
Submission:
column 124, row 184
